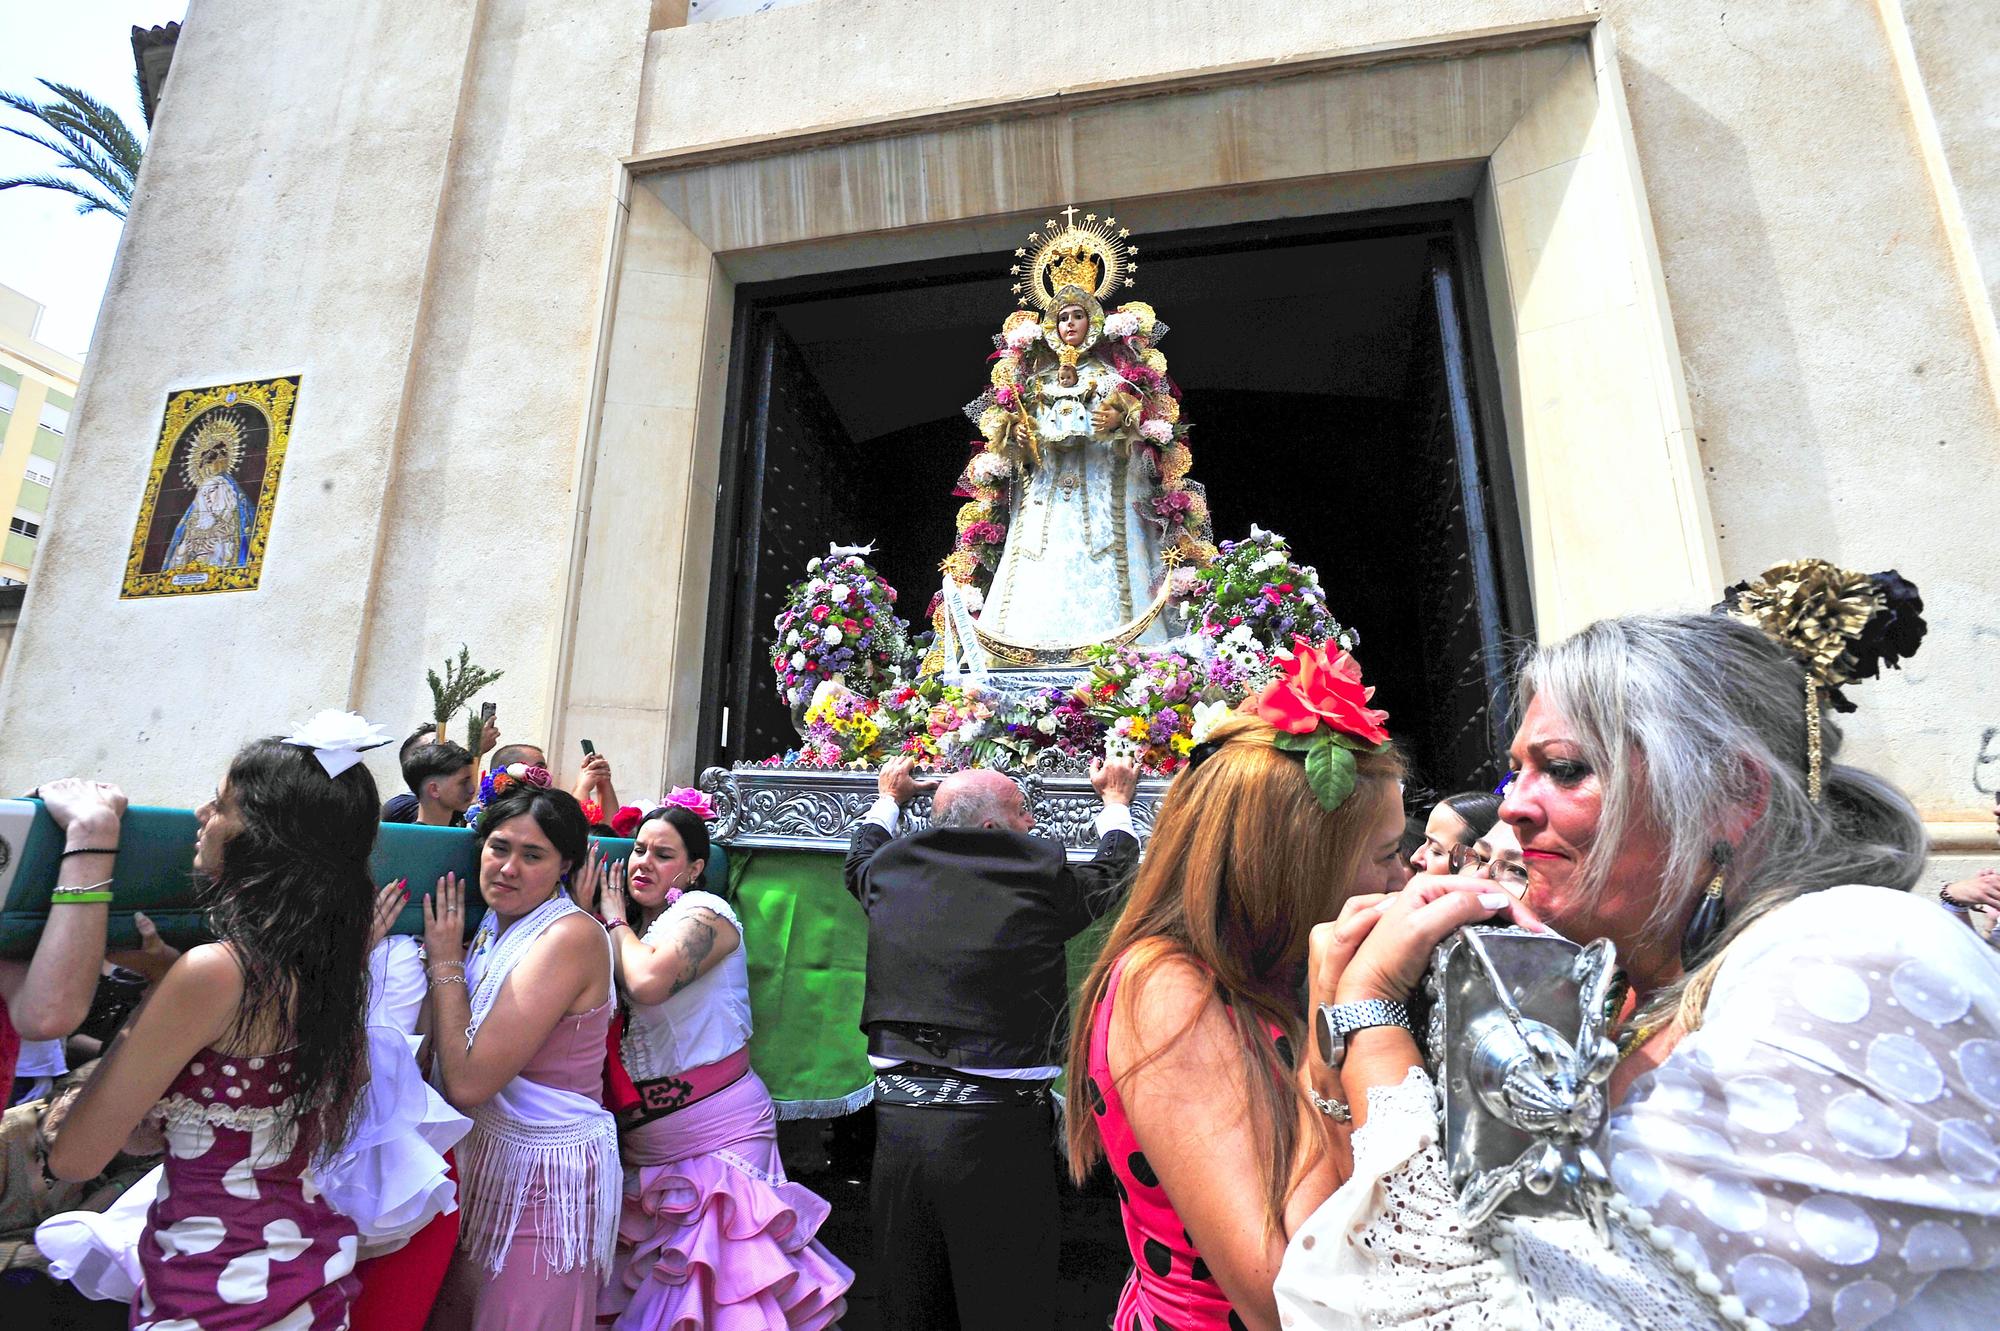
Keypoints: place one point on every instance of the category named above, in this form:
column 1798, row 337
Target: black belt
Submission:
column 905, row 1084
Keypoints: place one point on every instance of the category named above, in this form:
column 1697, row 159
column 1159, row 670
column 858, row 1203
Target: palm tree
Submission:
column 90, row 138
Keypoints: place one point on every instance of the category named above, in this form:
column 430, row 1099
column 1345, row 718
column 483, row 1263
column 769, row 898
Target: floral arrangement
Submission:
column 841, row 729
column 497, row 783
column 1255, row 592
column 1320, row 709
column 838, row 624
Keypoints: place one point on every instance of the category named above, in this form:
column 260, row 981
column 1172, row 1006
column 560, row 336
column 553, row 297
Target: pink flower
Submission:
column 694, row 801
column 1157, row 430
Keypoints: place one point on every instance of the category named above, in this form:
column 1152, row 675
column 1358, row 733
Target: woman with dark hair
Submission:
column 1184, row 1038
column 1801, row 1126
column 712, row 1233
column 521, row 1028
column 251, row 1050
column 1456, row 822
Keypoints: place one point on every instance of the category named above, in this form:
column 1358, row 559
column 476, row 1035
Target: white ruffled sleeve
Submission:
column 390, row 1176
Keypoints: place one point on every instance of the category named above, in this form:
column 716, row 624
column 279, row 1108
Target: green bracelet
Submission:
column 77, row 898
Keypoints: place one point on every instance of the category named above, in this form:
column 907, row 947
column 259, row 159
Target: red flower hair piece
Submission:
column 1320, row 710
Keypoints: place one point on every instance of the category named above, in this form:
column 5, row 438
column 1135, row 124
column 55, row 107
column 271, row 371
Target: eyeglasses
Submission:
column 1482, row 862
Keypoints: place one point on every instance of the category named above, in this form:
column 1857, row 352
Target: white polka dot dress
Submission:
column 237, row 1239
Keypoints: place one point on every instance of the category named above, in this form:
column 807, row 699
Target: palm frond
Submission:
column 79, row 161
column 91, row 139
column 91, row 202
column 104, row 124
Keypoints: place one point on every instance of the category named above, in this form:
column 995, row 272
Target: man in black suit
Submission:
column 966, row 1014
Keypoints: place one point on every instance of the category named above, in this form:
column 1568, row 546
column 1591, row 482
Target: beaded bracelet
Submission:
column 440, row 981
column 88, row 850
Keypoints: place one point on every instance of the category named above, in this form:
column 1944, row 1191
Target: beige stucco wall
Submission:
column 418, row 208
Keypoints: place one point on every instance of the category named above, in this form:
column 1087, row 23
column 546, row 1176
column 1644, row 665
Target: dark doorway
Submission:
column 1327, row 368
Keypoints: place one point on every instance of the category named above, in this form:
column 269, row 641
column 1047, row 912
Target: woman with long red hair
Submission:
column 1186, row 1031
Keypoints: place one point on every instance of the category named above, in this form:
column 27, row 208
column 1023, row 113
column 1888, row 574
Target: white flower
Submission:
column 975, row 600
column 1124, row 323
column 338, row 739
column 1158, row 430
column 812, row 565
column 792, row 638
column 798, row 660
column 968, row 732
column 842, row 594
column 990, row 469
column 1207, row 715
column 1047, row 725
column 833, row 636
column 1023, row 334
column 816, row 586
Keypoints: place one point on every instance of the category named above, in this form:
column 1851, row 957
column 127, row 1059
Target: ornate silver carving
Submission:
column 1523, row 1098
column 789, row 808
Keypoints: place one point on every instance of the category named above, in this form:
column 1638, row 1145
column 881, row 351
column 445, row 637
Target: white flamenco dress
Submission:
column 1079, row 562
column 1820, row 1154
column 390, row 1177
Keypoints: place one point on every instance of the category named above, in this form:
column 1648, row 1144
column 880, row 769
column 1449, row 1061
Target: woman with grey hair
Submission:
column 1803, row 1124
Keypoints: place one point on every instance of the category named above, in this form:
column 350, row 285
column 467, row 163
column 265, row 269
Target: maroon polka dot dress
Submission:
column 1170, row 1288
column 239, row 1239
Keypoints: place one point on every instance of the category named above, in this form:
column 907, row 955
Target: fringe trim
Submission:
column 573, row 1167
column 787, row 1110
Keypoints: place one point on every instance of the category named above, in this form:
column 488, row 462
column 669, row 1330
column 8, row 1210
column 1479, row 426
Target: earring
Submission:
column 1706, row 922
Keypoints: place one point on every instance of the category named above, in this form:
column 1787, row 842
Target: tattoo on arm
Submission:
column 696, row 940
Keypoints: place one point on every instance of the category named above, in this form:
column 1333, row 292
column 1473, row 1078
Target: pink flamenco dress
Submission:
column 238, row 1238
column 1170, row 1288
column 712, row 1236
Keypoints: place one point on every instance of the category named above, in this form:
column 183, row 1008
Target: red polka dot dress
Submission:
column 239, row 1239
column 1170, row 1288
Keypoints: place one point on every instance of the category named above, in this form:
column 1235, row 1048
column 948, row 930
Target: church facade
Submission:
column 1731, row 273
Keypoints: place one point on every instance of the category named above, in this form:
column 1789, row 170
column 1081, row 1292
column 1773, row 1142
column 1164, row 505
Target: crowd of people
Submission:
column 556, row 1123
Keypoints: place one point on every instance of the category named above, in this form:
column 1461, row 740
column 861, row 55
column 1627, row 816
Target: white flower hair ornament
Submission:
column 338, row 739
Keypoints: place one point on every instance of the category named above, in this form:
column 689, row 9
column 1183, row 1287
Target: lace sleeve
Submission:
column 1389, row 1250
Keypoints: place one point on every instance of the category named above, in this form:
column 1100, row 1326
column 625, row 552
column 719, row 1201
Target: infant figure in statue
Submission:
column 1081, row 481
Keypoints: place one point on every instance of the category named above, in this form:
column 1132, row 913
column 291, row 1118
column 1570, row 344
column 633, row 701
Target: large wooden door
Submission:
column 791, row 457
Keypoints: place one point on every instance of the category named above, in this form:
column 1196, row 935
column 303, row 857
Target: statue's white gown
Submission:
column 1079, row 560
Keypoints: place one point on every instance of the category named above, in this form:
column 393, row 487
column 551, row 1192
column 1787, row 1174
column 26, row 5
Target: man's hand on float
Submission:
column 898, row 782
column 1114, row 779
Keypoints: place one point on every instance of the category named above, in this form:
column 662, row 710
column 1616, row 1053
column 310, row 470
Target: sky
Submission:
column 46, row 251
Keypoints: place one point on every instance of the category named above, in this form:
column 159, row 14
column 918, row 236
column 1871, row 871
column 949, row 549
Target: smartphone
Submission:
column 589, row 749
column 487, row 711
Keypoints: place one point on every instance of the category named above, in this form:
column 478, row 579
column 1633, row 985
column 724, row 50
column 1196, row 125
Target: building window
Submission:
column 23, row 527
column 54, row 419
column 9, row 395
column 41, row 471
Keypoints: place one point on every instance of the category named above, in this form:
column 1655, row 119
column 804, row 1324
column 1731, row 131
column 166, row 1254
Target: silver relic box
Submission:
column 1518, row 1050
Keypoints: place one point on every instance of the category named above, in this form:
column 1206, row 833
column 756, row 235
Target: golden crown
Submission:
column 216, row 448
column 1093, row 255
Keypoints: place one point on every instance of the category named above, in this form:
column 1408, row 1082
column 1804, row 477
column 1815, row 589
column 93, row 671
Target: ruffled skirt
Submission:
column 712, row 1237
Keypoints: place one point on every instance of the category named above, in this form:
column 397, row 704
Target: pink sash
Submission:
column 666, row 1095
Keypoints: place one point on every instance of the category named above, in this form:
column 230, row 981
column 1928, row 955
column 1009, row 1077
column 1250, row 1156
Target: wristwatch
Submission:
column 1337, row 1021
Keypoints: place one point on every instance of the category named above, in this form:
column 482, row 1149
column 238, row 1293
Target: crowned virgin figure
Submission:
column 214, row 532
column 1081, row 504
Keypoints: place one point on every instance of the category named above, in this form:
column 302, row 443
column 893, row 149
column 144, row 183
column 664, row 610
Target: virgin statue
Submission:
column 1081, row 504
column 215, row 530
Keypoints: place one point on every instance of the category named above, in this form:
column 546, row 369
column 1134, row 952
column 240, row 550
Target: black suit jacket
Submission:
column 966, row 935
